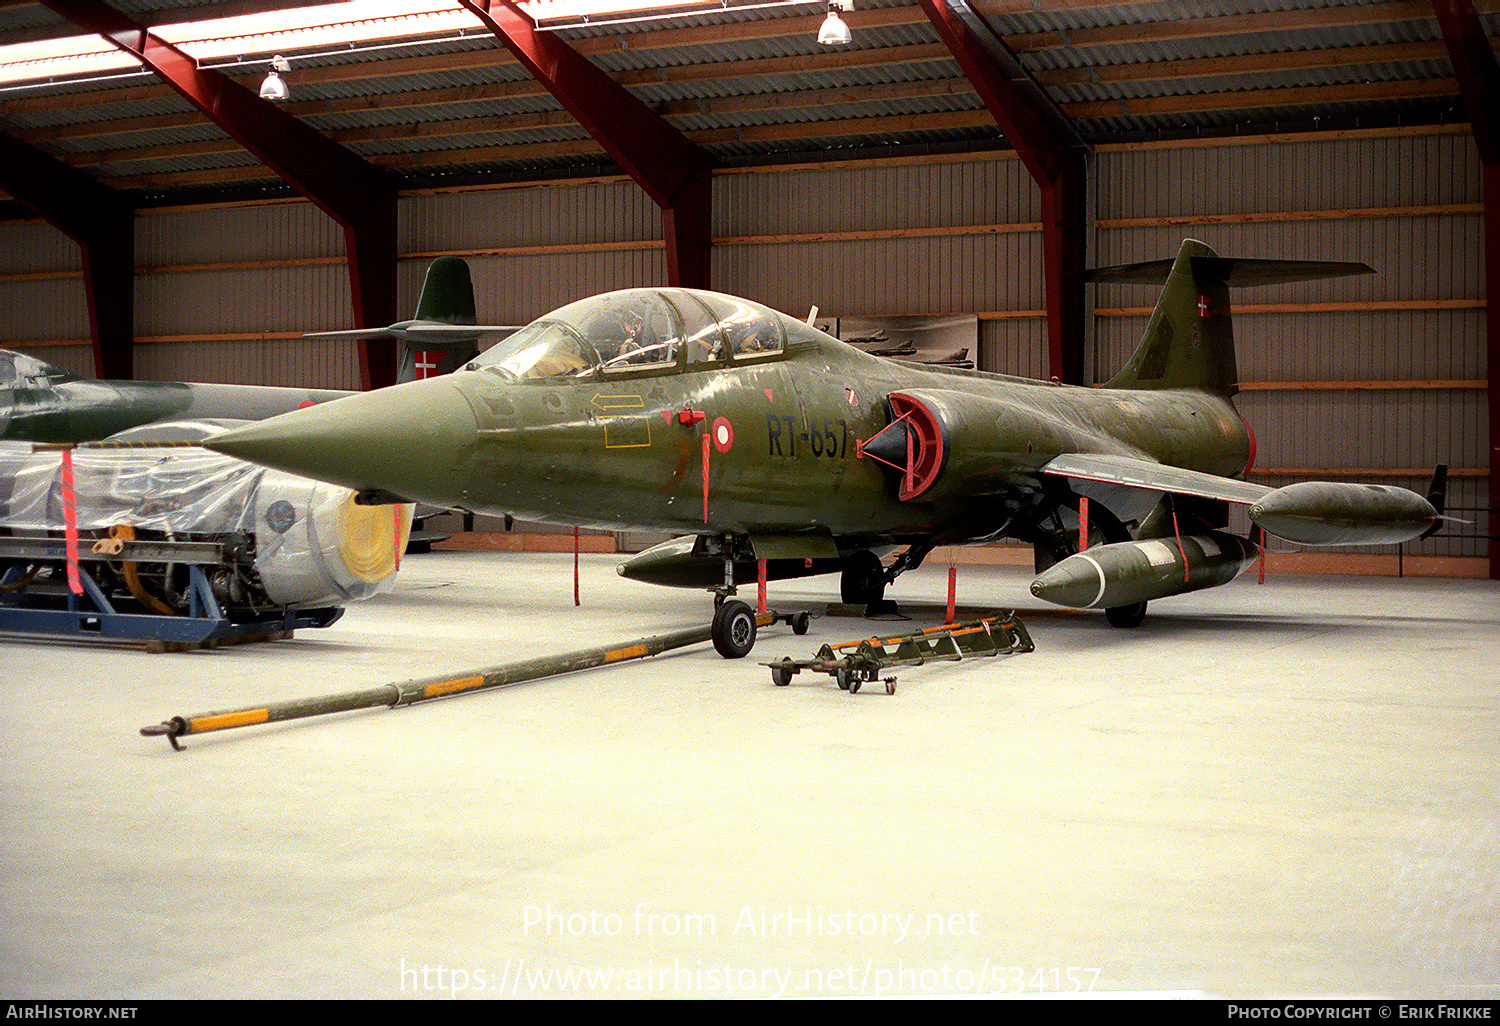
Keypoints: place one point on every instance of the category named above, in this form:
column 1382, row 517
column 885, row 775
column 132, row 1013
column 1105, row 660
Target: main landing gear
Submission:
column 865, row 578
column 863, row 581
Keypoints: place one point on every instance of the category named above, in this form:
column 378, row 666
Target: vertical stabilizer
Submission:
column 447, row 298
column 1189, row 342
column 447, row 293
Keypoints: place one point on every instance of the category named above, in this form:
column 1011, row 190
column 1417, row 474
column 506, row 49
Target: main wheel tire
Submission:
column 734, row 629
column 863, row 581
column 1132, row 615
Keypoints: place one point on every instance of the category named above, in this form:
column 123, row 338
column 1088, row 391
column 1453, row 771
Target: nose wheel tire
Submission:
column 734, row 629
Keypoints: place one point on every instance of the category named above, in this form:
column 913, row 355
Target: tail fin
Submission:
column 1189, row 342
column 447, row 293
column 443, row 335
column 447, row 298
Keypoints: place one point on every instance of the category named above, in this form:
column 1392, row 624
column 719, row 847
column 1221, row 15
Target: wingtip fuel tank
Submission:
column 1341, row 513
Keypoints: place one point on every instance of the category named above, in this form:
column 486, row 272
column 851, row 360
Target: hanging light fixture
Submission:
column 274, row 87
column 834, row 31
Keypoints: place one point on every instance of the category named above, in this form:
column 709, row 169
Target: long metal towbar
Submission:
column 413, row 691
column 852, row 663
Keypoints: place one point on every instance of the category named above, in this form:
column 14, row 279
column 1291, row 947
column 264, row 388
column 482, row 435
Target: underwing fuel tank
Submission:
column 1124, row 573
column 1341, row 513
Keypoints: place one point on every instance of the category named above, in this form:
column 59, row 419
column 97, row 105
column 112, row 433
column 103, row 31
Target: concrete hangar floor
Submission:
column 1287, row 789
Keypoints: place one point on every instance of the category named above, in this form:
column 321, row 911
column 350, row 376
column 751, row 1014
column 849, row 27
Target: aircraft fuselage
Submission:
column 624, row 447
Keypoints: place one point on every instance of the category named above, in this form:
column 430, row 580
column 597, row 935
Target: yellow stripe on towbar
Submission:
column 224, row 721
column 448, row 687
column 614, row 655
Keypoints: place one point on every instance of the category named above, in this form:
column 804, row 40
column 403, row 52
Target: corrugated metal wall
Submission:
column 906, row 253
column 35, row 311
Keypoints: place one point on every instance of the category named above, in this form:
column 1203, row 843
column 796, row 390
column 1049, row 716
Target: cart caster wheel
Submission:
column 890, row 687
column 799, row 623
column 781, row 674
column 843, row 676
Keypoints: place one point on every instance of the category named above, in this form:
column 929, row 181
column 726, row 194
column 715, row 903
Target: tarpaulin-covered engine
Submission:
column 184, row 532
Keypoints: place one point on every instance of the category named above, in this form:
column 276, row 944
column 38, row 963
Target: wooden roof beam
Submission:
column 1226, row 25
column 1246, row 99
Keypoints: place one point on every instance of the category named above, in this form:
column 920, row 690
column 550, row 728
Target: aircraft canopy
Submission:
column 637, row 329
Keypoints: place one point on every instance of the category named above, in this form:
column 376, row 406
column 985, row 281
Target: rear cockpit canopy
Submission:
column 660, row 330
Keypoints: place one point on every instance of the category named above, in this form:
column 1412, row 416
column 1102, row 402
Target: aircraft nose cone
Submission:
column 412, row 440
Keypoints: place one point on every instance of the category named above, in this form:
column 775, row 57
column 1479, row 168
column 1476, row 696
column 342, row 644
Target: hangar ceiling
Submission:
column 431, row 104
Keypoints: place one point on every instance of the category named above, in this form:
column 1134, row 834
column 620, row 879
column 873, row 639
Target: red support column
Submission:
column 1492, row 350
column 1479, row 77
column 1053, row 153
column 673, row 171
column 103, row 225
column 1063, row 256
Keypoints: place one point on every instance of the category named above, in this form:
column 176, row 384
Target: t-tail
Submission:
column 443, row 335
column 1189, row 342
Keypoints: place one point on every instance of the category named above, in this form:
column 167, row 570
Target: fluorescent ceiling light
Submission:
column 310, row 30
column 294, row 30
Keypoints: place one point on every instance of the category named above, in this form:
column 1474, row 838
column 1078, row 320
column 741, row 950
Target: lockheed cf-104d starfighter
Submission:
column 757, row 437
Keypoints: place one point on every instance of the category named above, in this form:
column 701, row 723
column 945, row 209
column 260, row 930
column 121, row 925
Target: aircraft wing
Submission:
column 1156, row 477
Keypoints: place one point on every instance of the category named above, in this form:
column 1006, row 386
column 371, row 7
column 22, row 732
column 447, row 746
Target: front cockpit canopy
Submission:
column 637, row 329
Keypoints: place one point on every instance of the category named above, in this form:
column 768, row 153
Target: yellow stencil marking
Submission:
column 448, row 687
column 623, row 432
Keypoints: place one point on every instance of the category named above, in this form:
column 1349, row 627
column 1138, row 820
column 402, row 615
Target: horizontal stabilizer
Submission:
column 1232, row 272
column 428, row 333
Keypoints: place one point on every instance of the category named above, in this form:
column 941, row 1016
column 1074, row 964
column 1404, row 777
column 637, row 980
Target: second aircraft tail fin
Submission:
column 447, row 293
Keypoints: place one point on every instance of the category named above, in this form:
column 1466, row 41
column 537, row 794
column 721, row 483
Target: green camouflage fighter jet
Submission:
column 759, row 437
column 40, row 402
